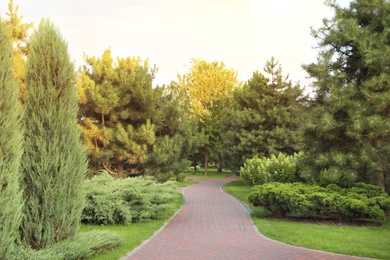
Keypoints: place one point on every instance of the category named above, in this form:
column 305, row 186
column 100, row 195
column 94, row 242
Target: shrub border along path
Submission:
column 214, row 225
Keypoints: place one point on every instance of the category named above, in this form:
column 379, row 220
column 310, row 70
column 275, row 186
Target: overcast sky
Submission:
column 242, row 33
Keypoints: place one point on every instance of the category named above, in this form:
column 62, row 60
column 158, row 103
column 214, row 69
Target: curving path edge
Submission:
column 214, row 225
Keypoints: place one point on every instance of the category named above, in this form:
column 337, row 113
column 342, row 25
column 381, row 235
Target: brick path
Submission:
column 214, row 225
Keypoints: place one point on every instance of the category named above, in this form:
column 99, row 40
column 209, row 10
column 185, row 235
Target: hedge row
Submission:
column 364, row 201
column 125, row 201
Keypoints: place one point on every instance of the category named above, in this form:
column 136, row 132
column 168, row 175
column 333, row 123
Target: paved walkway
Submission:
column 214, row 225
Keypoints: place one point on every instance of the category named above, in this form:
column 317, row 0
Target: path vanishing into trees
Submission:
column 214, row 225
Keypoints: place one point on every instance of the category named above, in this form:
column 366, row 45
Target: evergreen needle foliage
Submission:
column 54, row 160
column 264, row 117
column 10, row 151
column 348, row 137
column 125, row 201
column 81, row 246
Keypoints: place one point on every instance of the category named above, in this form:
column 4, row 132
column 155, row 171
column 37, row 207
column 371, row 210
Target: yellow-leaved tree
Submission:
column 209, row 87
column 18, row 34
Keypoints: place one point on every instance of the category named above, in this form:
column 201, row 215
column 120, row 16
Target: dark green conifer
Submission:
column 264, row 119
column 54, row 160
column 10, row 151
column 348, row 137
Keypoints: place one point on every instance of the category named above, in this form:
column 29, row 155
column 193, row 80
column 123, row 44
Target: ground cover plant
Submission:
column 81, row 246
column 133, row 235
column 362, row 202
column 365, row 241
column 125, row 201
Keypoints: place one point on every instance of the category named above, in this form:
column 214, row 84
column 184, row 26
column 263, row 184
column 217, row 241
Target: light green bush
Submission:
column 80, row 246
column 180, row 177
column 123, row 201
column 301, row 200
column 282, row 168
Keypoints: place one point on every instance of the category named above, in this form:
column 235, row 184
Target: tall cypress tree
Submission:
column 54, row 160
column 348, row 137
column 10, row 151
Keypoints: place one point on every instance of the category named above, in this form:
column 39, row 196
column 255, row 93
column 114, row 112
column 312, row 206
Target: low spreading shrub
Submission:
column 363, row 201
column 81, row 246
column 125, row 201
column 180, row 177
column 259, row 170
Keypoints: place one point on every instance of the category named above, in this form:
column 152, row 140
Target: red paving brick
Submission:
column 214, row 225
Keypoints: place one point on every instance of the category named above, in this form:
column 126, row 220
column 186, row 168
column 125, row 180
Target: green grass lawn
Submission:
column 212, row 173
column 132, row 235
column 365, row 241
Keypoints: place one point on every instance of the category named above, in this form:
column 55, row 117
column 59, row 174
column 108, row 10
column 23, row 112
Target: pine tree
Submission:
column 176, row 135
column 54, row 160
column 117, row 102
column 348, row 137
column 264, row 119
column 10, row 152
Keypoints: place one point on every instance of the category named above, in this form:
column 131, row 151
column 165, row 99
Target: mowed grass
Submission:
column 212, row 173
column 364, row 241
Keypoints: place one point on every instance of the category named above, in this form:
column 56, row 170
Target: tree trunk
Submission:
column 195, row 169
column 219, row 162
column 382, row 180
column 206, row 162
column 120, row 167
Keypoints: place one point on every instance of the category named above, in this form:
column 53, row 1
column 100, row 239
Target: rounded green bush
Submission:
column 125, row 201
column 302, row 200
column 282, row 168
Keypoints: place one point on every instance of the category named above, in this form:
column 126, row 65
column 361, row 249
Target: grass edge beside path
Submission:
column 135, row 234
column 363, row 241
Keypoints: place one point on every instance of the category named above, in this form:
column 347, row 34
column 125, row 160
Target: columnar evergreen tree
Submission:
column 54, row 160
column 10, row 151
column 264, row 119
column 348, row 137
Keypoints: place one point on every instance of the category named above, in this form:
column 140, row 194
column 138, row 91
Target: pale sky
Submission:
column 242, row 33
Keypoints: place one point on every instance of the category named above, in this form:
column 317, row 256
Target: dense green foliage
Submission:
column 209, row 88
column 54, row 160
column 176, row 133
column 282, row 168
column 357, row 240
column 116, row 107
column 347, row 136
column 18, row 35
column 124, row 201
column 81, row 246
column 129, row 127
column 264, row 119
column 364, row 201
column 10, row 151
